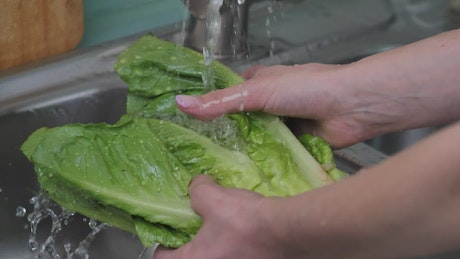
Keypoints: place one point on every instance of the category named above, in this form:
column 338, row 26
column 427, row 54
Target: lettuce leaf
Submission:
column 323, row 153
column 134, row 174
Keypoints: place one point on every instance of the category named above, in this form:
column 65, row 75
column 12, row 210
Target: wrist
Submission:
column 288, row 226
column 370, row 101
column 344, row 106
column 275, row 225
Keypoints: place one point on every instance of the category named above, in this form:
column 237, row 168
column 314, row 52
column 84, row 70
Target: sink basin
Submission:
column 75, row 100
column 82, row 87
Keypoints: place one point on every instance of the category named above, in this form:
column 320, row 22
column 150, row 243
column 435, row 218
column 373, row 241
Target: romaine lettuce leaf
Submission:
column 134, row 174
column 323, row 153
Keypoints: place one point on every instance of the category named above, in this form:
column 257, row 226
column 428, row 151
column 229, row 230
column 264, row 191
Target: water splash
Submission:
column 20, row 211
column 208, row 72
column 44, row 209
column 222, row 130
column 83, row 246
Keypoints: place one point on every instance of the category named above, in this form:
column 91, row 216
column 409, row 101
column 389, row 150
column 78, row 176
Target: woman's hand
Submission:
column 234, row 225
column 408, row 87
column 405, row 207
column 306, row 91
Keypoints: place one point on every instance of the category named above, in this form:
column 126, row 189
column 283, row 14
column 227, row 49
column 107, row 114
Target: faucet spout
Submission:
column 230, row 41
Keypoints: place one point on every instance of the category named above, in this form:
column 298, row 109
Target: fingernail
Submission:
column 187, row 101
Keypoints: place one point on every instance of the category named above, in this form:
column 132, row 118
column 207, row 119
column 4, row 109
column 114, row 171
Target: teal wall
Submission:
column 105, row 20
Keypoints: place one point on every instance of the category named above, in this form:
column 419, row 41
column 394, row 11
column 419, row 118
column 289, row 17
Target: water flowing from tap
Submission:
column 180, row 38
column 269, row 22
column 213, row 25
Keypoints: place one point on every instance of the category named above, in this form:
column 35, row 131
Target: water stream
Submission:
column 43, row 210
column 213, row 26
column 271, row 19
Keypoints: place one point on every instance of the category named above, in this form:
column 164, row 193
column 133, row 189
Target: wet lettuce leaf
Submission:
column 134, row 174
column 322, row 152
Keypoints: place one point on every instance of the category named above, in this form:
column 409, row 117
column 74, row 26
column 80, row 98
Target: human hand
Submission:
column 234, row 225
column 302, row 91
column 333, row 221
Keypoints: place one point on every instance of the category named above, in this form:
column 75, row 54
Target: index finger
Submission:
column 228, row 100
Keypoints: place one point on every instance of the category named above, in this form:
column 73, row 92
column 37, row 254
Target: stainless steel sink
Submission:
column 82, row 87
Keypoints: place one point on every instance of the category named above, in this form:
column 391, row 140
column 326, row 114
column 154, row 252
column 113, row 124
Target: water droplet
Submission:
column 92, row 223
column 33, row 244
column 20, row 211
column 270, row 9
column 44, row 208
column 67, row 247
column 241, row 107
column 33, row 200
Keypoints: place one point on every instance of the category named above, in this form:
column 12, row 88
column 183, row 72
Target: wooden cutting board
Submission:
column 33, row 29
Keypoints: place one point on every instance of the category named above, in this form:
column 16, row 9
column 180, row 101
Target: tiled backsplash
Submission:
column 106, row 20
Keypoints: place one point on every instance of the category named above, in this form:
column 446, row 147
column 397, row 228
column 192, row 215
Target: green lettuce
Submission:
column 322, row 152
column 134, row 174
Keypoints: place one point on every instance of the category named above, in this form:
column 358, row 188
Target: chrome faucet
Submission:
column 230, row 42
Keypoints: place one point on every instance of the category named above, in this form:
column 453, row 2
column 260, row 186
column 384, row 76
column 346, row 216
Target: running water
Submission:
column 221, row 130
column 46, row 209
column 82, row 249
column 270, row 20
column 213, row 26
column 179, row 38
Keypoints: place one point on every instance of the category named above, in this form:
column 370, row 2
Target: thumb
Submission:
column 201, row 189
column 204, row 193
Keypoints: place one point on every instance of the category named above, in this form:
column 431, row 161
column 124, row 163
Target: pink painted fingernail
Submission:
column 187, row 101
